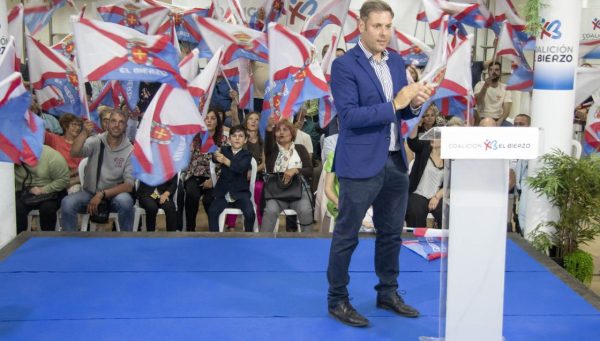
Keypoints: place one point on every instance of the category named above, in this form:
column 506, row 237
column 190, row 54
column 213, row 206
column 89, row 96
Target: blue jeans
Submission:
column 76, row 203
column 388, row 193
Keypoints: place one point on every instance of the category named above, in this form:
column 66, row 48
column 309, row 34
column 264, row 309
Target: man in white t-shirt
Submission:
column 493, row 100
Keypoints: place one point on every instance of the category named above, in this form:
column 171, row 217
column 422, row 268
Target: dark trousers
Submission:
column 416, row 213
column 152, row 205
column 219, row 204
column 387, row 192
column 46, row 208
column 515, row 214
column 193, row 192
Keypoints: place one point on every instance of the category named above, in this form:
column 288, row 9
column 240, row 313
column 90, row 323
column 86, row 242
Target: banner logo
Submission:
column 551, row 29
column 300, row 9
column 160, row 133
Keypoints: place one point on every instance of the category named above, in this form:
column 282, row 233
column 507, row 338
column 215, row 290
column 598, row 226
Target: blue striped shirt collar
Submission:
column 369, row 55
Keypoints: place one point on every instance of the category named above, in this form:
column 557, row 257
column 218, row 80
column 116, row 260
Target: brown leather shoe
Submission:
column 345, row 313
column 396, row 304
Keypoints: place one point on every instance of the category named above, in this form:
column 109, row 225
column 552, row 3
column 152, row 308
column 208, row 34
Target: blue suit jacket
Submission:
column 364, row 114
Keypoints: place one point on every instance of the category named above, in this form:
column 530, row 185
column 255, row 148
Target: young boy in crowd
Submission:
column 233, row 188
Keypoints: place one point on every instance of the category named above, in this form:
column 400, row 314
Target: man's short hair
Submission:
column 119, row 112
column 340, row 49
column 495, row 63
column 237, row 128
column 455, row 121
column 527, row 117
column 370, row 6
column 487, row 122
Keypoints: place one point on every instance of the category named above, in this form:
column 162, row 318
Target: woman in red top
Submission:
column 71, row 125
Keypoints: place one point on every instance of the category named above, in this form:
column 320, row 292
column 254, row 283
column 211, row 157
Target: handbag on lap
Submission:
column 276, row 189
column 31, row 199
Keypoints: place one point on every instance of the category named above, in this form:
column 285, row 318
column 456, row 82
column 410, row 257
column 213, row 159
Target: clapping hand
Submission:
column 414, row 94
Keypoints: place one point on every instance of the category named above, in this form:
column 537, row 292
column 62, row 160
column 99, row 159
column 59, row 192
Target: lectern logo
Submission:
column 490, row 144
column 551, row 29
column 596, row 23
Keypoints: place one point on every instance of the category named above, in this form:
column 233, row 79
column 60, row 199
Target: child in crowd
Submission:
column 233, row 188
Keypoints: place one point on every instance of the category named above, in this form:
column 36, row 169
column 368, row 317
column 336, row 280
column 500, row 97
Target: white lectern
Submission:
column 475, row 213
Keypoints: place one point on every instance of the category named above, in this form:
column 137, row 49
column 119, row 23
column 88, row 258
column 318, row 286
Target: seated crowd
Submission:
column 87, row 166
column 83, row 167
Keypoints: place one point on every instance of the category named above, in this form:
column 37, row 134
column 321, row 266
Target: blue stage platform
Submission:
column 151, row 288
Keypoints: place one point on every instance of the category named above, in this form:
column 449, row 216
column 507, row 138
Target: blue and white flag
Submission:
column 55, row 80
column 108, row 51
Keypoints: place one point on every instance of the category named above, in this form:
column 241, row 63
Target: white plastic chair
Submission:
column 286, row 213
column 36, row 213
column 85, row 217
column 140, row 213
column 237, row 211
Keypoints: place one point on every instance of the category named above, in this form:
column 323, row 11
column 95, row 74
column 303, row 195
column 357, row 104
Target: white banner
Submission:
column 489, row 143
column 553, row 99
column 590, row 24
column 557, row 46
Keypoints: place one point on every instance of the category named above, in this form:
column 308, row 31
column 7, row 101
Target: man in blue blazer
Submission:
column 372, row 96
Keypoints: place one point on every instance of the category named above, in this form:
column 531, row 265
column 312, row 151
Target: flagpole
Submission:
column 340, row 36
column 416, row 27
column 226, row 80
column 432, row 37
column 50, row 39
column 81, row 80
column 8, row 230
column 496, row 46
column 341, row 32
column 468, row 122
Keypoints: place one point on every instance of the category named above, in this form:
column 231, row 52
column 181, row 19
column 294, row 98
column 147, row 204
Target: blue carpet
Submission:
column 249, row 289
column 211, row 254
column 517, row 328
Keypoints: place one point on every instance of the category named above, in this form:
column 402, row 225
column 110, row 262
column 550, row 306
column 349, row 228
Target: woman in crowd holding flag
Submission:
column 196, row 177
column 285, row 157
column 71, row 126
